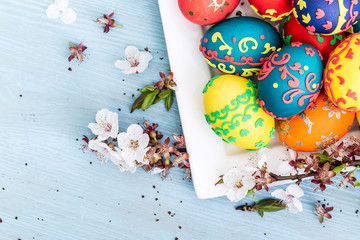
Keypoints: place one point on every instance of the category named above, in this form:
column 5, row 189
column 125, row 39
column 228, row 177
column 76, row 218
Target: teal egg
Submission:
column 290, row 80
column 239, row 45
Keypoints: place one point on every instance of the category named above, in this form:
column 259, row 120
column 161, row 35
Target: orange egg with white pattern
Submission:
column 316, row 128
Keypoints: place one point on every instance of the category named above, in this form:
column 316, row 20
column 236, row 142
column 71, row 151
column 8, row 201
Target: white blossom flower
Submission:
column 238, row 184
column 133, row 144
column 59, row 9
column 290, row 197
column 106, row 125
column 136, row 61
column 102, row 149
column 118, row 160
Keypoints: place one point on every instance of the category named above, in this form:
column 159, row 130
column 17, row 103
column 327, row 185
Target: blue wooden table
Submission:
column 50, row 189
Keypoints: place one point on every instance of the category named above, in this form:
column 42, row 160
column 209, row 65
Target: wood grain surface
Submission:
column 50, row 189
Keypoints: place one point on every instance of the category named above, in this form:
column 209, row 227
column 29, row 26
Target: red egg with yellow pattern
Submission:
column 293, row 31
column 204, row 12
column 274, row 10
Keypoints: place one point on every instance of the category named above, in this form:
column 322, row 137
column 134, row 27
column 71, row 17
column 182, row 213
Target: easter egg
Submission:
column 317, row 127
column 205, row 12
column 239, row 45
column 274, row 9
column 358, row 117
column 290, row 80
column 232, row 110
column 341, row 80
column 327, row 16
column 293, row 31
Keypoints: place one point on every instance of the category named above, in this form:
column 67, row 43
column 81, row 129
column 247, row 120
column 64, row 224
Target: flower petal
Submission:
column 262, row 161
column 292, row 208
column 134, row 131
column 295, row 191
column 297, row 203
column 285, row 168
column 144, row 59
column 123, row 140
column 144, row 141
column 53, row 11
column 140, row 156
column 68, row 16
column 122, row 64
column 112, row 118
column 132, row 52
column 232, row 177
column 95, row 128
column 248, row 182
column 157, row 170
column 101, row 115
column 128, row 155
column 279, row 193
column 236, row 194
column 62, row 4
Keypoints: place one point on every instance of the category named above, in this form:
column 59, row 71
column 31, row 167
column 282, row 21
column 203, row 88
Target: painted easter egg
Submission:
column 232, row 110
column 205, row 12
column 239, row 45
column 317, row 127
column 274, row 10
column 341, row 80
column 293, row 31
column 327, row 16
column 290, row 80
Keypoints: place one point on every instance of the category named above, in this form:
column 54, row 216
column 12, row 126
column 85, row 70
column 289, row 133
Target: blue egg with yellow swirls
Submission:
column 290, row 80
column 327, row 16
column 239, row 45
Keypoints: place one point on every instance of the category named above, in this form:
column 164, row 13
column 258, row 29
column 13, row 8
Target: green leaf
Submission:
column 149, row 88
column 149, row 99
column 270, row 205
column 339, row 168
column 261, row 212
column 71, row 44
column 165, row 93
column 356, row 184
column 251, row 191
column 168, row 102
column 324, row 157
column 139, row 101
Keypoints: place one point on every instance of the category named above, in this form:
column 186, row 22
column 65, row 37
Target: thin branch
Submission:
column 292, row 177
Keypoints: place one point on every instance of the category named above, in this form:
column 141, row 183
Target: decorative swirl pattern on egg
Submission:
column 290, row 80
column 232, row 111
column 341, row 81
column 239, row 45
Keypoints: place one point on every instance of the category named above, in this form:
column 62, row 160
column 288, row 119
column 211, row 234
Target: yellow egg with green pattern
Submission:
column 234, row 114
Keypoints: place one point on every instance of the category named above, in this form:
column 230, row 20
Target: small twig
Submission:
column 292, row 177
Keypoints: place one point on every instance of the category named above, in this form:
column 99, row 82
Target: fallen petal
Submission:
column 53, row 11
column 68, row 16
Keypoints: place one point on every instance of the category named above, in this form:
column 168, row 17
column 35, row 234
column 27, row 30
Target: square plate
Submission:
column 210, row 157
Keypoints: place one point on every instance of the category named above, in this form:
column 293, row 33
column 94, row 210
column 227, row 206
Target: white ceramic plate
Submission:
column 210, row 157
